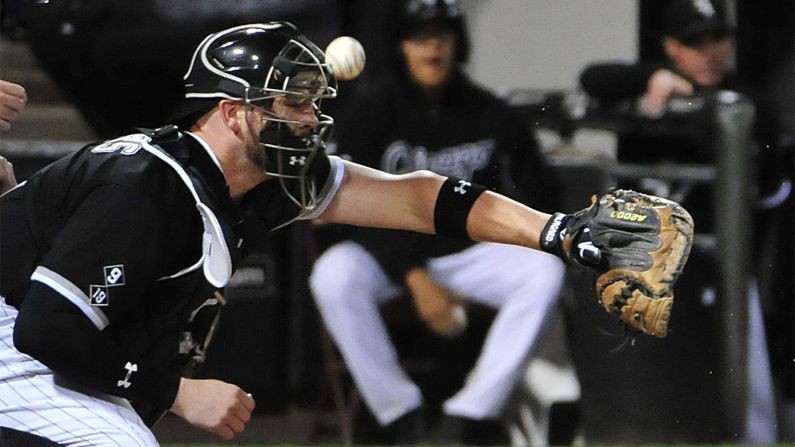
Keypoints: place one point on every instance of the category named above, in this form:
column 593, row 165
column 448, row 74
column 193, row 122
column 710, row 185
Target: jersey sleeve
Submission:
column 329, row 179
column 611, row 82
column 98, row 273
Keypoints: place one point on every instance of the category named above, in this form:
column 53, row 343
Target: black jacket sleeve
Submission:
column 611, row 82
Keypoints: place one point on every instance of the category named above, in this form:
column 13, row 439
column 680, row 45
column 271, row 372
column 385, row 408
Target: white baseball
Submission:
column 345, row 56
column 460, row 319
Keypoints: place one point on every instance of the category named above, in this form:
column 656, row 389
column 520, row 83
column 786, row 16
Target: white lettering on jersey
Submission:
column 456, row 161
column 126, row 145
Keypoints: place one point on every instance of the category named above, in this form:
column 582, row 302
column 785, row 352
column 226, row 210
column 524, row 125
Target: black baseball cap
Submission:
column 691, row 20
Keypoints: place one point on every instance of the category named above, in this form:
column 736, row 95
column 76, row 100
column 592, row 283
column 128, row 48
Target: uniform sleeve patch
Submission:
column 114, row 275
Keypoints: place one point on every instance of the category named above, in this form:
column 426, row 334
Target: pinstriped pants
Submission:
column 34, row 400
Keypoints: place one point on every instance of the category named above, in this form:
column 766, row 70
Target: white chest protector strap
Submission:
column 216, row 260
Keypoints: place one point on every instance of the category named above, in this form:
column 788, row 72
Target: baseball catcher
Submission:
column 638, row 243
column 96, row 301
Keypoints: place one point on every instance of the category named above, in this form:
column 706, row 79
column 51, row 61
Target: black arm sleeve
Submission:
column 56, row 333
column 61, row 325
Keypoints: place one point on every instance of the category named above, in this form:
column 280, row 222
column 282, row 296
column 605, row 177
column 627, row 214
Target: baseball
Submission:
column 345, row 56
column 460, row 320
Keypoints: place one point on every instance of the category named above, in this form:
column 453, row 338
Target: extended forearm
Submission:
column 411, row 202
column 496, row 218
column 372, row 198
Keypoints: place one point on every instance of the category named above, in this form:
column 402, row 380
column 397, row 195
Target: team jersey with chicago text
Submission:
column 467, row 133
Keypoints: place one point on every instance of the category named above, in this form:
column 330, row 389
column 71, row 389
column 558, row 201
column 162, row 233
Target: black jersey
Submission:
column 467, row 133
column 108, row 252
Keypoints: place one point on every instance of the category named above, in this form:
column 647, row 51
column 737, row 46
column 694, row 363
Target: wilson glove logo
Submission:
column 626, row 215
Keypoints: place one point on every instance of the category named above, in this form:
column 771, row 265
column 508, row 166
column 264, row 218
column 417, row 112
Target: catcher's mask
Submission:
column 258, row 63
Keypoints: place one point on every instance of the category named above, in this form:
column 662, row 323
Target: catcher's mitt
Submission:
column 638, row 243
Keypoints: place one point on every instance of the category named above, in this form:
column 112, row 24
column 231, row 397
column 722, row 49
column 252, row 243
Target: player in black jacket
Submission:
column 110, row 254
column 698, row 41
column 427, row 114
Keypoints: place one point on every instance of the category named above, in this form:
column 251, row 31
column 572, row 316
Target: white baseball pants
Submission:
column 349, row 285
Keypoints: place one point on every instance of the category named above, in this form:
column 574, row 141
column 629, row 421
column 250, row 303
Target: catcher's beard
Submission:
column 255, row 150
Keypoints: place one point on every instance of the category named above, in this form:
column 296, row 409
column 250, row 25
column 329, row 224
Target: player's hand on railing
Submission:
column 213, row 405
column 662, row 85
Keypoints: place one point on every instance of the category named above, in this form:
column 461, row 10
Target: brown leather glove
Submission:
column 638, row 244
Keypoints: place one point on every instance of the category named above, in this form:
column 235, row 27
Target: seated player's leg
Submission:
column 523, row 285
column 348, row 286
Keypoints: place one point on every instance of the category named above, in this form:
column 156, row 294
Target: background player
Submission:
column 425, row 113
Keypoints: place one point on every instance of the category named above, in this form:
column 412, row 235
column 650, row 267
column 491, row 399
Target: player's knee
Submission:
column 555, row 268
column 334, row 275
column 546, row 278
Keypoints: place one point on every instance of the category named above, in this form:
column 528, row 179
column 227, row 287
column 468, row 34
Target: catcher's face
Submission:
column 299, row 118
column 286, row 134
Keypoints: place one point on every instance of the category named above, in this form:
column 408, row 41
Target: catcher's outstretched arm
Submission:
column 496, row 218
column 638, row 243
column 369, row 197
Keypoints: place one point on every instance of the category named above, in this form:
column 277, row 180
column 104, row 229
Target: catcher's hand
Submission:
column 638, row 243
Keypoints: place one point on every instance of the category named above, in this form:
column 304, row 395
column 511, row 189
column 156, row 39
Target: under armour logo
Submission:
column 131, row 368
column 589, row 252
column 461, row 189
column 296, row 160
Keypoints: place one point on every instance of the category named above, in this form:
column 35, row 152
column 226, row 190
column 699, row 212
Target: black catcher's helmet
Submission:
column 257, row 63
column 415, row 13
